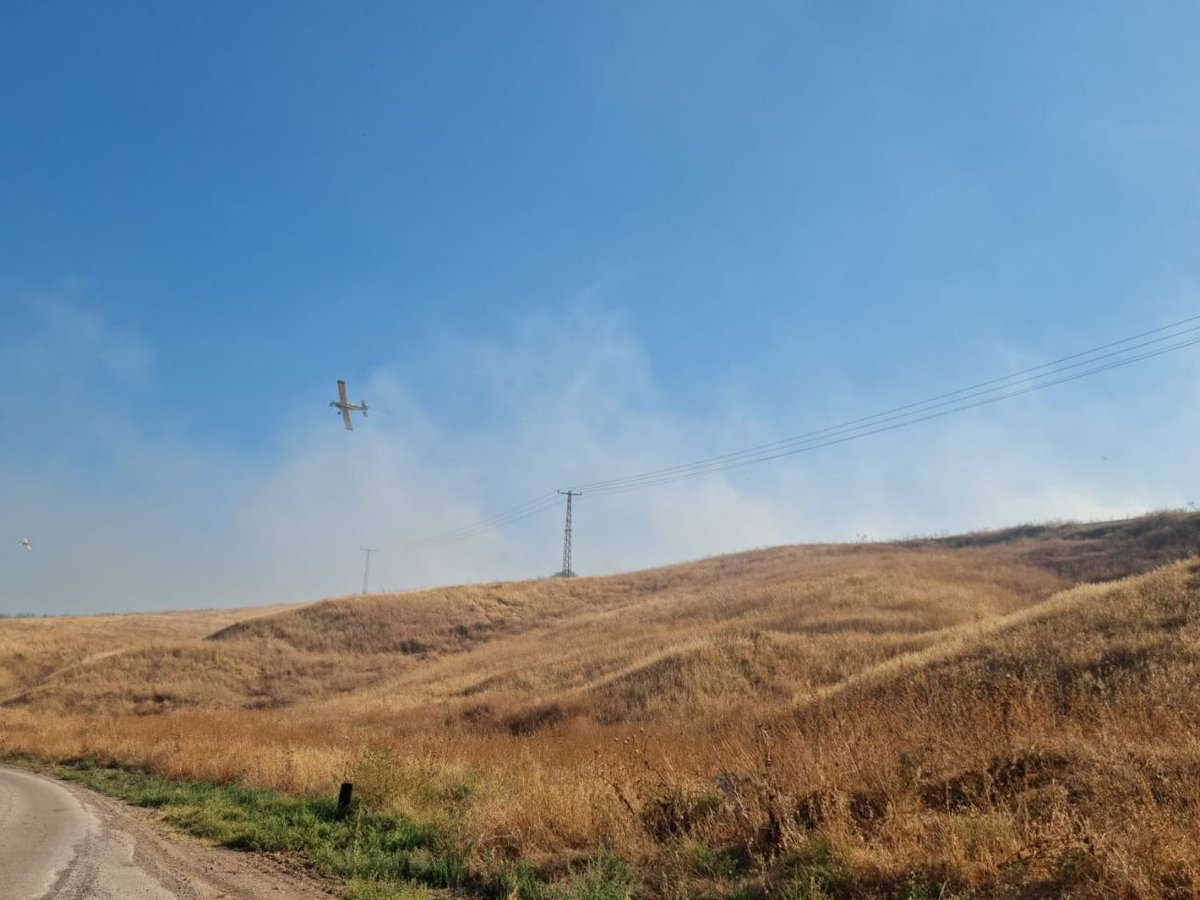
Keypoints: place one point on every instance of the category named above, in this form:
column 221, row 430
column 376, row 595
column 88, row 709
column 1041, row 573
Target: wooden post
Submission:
column 344, row 798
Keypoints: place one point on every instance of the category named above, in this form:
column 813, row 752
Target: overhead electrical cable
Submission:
column 521, row 511
column 878, row 427
column 951, row 397
column 1106, row 357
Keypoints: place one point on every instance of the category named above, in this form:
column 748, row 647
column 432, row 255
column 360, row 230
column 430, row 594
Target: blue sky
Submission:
column 553, row 243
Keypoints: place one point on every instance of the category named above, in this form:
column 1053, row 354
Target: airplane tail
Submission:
column 364, row 408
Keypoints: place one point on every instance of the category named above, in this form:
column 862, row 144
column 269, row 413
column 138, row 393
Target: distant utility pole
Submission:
column 567, row 571
column 367, row 566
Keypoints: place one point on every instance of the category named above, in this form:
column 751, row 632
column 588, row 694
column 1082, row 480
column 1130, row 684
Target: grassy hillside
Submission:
column 984, row 715
column 33, row 650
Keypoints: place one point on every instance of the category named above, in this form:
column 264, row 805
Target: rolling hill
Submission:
column 992, row 714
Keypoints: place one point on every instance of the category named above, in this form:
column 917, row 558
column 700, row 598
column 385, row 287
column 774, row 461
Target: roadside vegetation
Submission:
column 1008, row 714
column 375, row 855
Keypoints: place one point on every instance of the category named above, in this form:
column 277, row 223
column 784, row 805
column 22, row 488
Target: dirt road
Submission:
column 63, row 842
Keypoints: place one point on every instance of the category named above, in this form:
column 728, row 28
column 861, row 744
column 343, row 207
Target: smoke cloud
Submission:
column 127, row 513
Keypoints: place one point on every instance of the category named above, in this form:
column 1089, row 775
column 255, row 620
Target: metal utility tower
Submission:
column 567, row 571
column 367, row 566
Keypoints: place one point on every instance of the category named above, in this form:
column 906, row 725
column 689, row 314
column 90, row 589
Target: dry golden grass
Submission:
column 966, row 715
column 34, row 649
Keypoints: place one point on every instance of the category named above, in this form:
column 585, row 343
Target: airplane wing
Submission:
column 346, row 418
column 342, row 392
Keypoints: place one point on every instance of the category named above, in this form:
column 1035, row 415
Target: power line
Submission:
column 874, row 425
column 1075, row 366
column 868, row 431
column 941, row 400
column 521, row 511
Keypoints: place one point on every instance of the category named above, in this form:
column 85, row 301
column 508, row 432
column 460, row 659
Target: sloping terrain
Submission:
column 819, row 613
column 1097, row 551
column 776, row 624
column 33, row 650
column 1008, row 713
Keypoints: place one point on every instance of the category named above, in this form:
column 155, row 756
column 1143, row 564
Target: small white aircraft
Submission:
column 346, row 406
column 26, row 543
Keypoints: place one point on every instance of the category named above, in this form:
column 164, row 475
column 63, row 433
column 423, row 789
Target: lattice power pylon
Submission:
column 567, row 571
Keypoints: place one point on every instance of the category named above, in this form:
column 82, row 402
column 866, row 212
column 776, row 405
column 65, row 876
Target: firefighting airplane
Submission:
column 346, row 406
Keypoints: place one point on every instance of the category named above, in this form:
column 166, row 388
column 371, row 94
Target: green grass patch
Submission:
column 376, row 855
column 710, row 863
column 604, row 878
